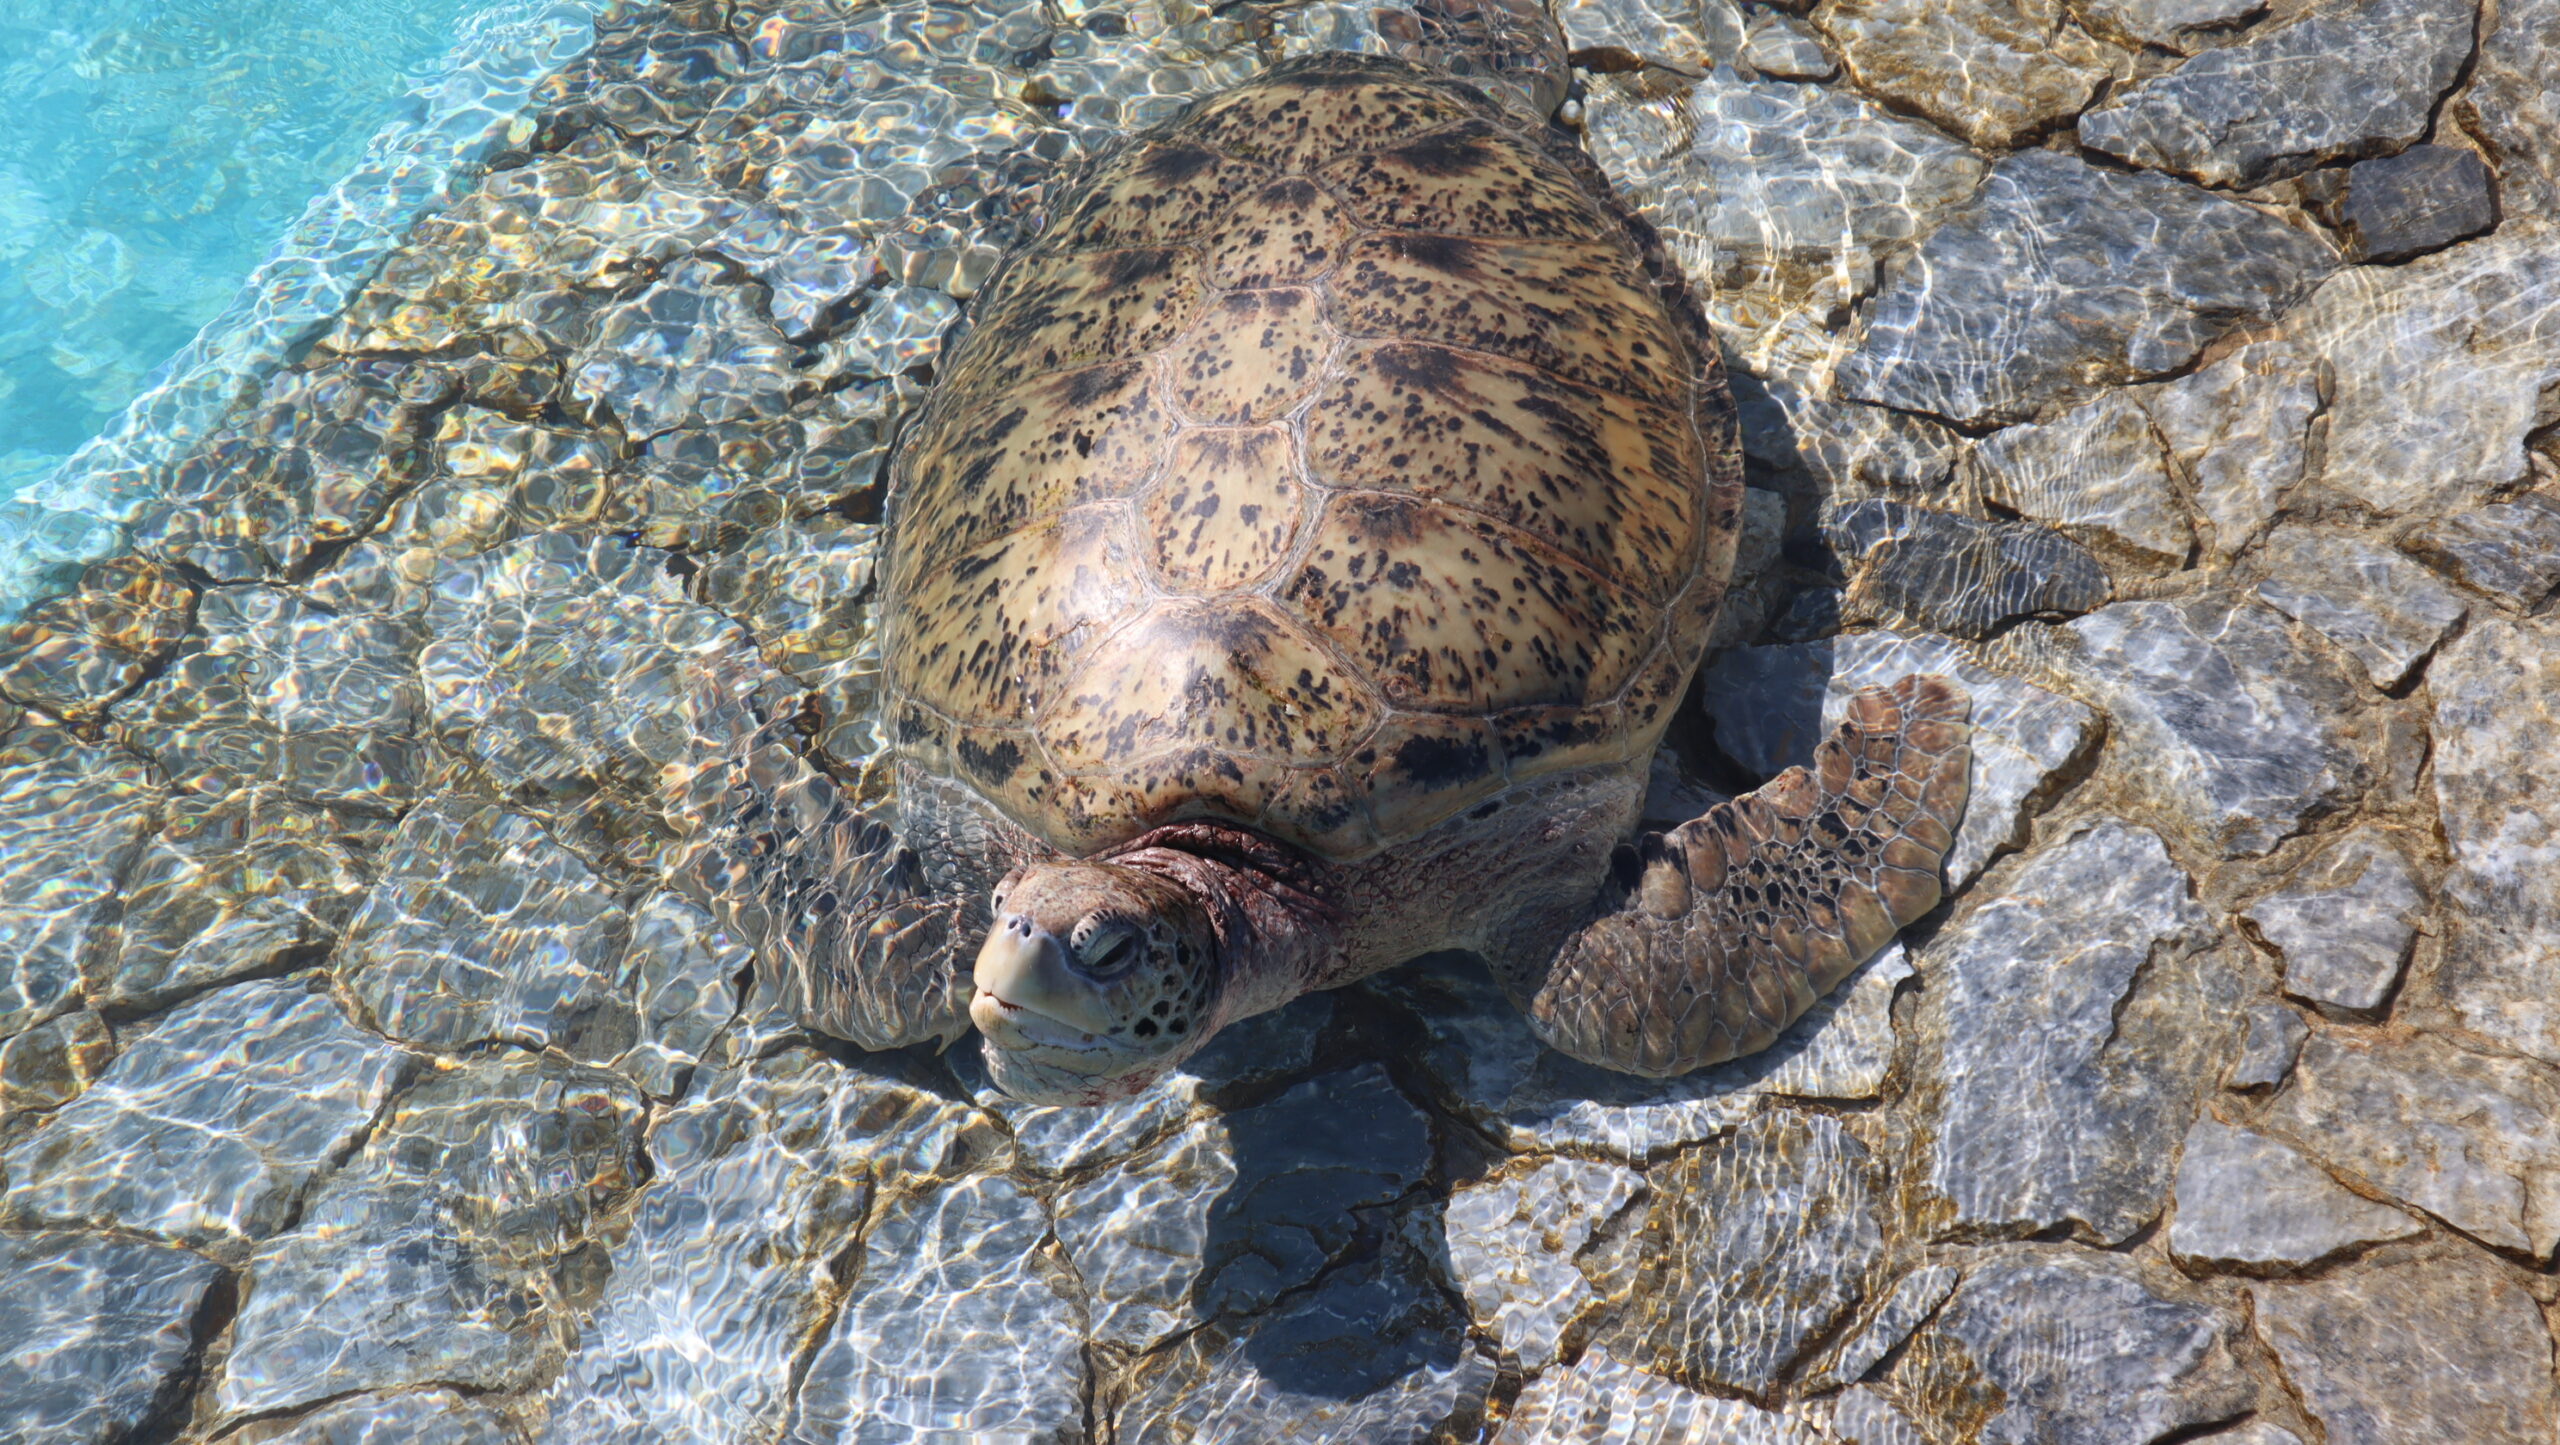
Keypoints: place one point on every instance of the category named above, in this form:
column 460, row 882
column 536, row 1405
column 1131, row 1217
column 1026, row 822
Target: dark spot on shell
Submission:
column 1453, row 254
column 1439, row 762
column 1447, row 154
column 1424, row 368
column 1131, row 268
column 1172, row 165
column 993, row 764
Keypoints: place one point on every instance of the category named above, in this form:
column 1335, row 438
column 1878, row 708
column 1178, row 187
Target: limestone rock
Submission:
column 2057, row 278
column 2245, row 1199
column 1914, row 1298
column 1693, row 38
column 1862, row 1415
column 1599, row 1399
column 692, row 349
column 1759, row 1245
column 2267, row 1051
column 92, row 1332
column 2495, row 774
column 2096, row 471
column 1494, row 1073
column 2443, row 1348
column 2243, row 736
column 1773, row 705
column 2473, row 1139
column 1852, row 451
column 2062, row 1347
column 2238, row 431
column 429, row 1258
column 1782, row 196
column 51, row 1064
column 1992, row 73
column 2061, row 1049
column 2394, row 207
column 1228, row 1214
column 1512, row 1244
column 429, row 1417
column 74, row 655
column 272, row 689
column 2510, row 550
column 953, row 1330
column 2436, row 368
column 227, row 885
column 2388, row 611
column 1920, row 567
column 231, row 1148
column 2183, row 26
column 764, row 1180
column 2514, row 103
column 1370, row 1356
column 74, row 814
column 2345, row 926
column 2344, row 80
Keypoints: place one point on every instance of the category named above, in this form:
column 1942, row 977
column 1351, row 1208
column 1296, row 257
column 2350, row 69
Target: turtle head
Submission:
column 1094, row 979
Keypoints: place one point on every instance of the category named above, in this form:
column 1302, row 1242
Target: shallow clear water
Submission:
column 156, row 152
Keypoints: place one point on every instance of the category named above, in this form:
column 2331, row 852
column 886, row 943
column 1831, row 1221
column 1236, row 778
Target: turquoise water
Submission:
column 154, row 154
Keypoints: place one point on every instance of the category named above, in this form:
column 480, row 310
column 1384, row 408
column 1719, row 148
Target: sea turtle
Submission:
column 1292, row 573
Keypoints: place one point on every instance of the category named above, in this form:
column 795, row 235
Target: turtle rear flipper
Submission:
column 842, row 922
column 1731, row 925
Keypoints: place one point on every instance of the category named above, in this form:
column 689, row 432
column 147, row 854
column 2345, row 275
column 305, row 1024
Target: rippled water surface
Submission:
column 156, row 152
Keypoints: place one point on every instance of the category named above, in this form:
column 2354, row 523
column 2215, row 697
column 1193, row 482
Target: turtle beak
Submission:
column 1023, row 966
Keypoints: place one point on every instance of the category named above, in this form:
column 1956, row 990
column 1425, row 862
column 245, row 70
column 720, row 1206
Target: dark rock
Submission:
column 2395, row 207
column 1919, row 567
column 2344, row 80
column 92, row 1332
column 2268, row 1049
column 2058, row 278
column 2510, row 551
column 1372, row 1356
column 2042, row 1346
column 2054, row 1096
column 2443, row 1348
column 1764, row 1243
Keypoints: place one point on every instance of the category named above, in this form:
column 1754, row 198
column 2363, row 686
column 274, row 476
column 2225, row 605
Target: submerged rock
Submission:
column 2509, row 550
column 2385, row 609
column 2344, row 928
column 1372, row 1355
column 232, row 1147
column 1992, row 73
column 74, row 655
column 1919, row 567
column 2243, row 737
column 94, row 1332
column 1601, row 1399
column 2471, row 1138
column 2239, row 432
column 2051, row 1347
column 2057, row 278
column 1759, row 1245
column 2444, row 1348
column 2244, row 1199
column 74, row 814
column 2514, row 102
column 2052, row 1095
column 2395, row 207
column 956, row 1327
column 2496, row 690
column 429, row 1417
column 2267, row 1051
column 1512, row 1247
column 2097, row 472
column 2345, row 79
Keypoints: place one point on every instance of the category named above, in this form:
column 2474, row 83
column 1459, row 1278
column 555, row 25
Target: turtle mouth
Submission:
column 1010, row 1025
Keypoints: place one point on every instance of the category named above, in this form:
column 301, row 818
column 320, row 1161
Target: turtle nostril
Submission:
column 1018, row 923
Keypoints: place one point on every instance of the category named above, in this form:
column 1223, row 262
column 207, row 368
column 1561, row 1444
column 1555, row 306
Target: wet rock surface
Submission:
column 373, row 1067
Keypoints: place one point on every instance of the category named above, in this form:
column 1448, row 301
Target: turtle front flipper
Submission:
column 842, row 921
column 1730, row 926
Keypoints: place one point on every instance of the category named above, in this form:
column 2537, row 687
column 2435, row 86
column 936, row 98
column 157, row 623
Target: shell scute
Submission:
column 1254, row 356
column 1055, row 442
column 1466, row 180
column 1299, row 127
column 1458, row 613
column 1226, row 513
column 1520, row 445
column 1576, row 308
column 1055, row 311
column 1229, row 673
column 985, row 634
column 1154, row 195
column 1289, row 232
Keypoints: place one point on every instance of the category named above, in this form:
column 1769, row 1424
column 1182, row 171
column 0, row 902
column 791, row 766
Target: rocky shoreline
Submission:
column 2184, row 376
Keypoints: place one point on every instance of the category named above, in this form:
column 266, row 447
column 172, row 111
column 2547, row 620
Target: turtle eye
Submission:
column 1105, row 948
